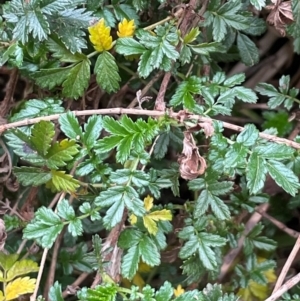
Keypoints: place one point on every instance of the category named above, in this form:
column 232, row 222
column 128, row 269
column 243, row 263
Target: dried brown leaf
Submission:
column 207, row 128
column 281, row 15
column 191, row 163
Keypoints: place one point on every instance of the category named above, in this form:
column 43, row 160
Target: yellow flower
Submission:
column 100, row 36
column 126, row 29
column 178, row 291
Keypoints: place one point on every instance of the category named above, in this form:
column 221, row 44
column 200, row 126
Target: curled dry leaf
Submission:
column 3, row 234
column 207, row 128
column 280, row 15
column 191, row 163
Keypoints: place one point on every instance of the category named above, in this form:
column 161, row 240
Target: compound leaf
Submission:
column 44, row 228
column 60, row 153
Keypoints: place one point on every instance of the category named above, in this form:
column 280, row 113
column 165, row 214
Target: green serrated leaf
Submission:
column 106, row 71
column 70, row 126
column 55, row 292
column 207, row 48
column 92, row 131
column 145, row 67
column 274, row 151
column 44, row 228
column 165, row 292
column 130, row 262
column 65, row 210
column 258, row 4
column 244, row 94
column 248, row 136
column 35, row 108
column 129, row 238
column 41, row 136
column 161, row 146
column 247, row 49
column 77, row 80
column 50, row 78
column 129, row 46
column 206, row 199
column 31, row 176
column 148, row 251
column 283, row 176
column 256, row 173
column 60, row 153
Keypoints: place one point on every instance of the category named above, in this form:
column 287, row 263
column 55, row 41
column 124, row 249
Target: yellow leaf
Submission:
column 148, row 203
column 161, row 215
column 100, row 36
column 1, row 296
column 21, row 267
column 270, row 275
column 254, row 290
column 245, row 294
column 126, row 29
column 132, row 219
column 150, row 224
column 258, row 290
column 138, row 280
column 19, row 287
column 144, row 267
column 178, row 291
column 151, row 218
column 62, row 181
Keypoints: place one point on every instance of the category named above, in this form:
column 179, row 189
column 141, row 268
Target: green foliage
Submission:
column 200, row 175
column 40, row 18
column 281, row 95
column 199, row 243
column 126, row 135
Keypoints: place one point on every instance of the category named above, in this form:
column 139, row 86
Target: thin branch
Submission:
column 284, row 288
column 287, row 265
column 153, row 113
column 231, row 256
column 74, row 285
column 39, row 277
column 279, row 224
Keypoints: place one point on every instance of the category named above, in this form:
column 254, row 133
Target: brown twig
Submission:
column 284, row 288
column 231, row 256
column 111, row 252
column 52, row 270
column 189, row 19
column 145, row 89
column 279, row 224
column 153, row 113
column 287, row 265
column 39, row 277
column 160, row 99
column 75, row 284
